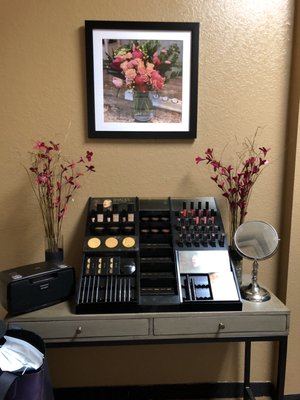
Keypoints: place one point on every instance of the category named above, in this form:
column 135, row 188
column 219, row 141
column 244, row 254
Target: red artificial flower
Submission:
column 53, row 181
column 264, row 150
column 236, row 183
column 89, row 155
column 72, row 165
column 199, row 159
column 90, row 168
column 39, row 145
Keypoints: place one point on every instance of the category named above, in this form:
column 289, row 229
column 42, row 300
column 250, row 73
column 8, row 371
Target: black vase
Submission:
column 54, row 256
column 54, row 251
column 237, row 262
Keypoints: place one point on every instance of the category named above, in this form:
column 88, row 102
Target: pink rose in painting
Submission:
column 157, row 80
column 132, row 63
column 155, row 59
column 136, row 53
column 117, row 82
column 149, row 69
column 115, row 65
column 140, row 83
column 125, row 65
column 140, row 66
column 130, row 74
column 128, row 56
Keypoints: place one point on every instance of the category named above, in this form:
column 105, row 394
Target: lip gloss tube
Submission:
column 184, row 211
column 192, row 211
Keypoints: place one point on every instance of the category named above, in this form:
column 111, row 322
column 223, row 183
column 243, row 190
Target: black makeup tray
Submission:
column 141, row 254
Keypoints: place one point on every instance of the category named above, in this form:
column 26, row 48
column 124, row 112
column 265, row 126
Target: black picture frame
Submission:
column 175, row 81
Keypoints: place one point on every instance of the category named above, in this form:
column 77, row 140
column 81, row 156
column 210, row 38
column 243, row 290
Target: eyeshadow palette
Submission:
column 155, row 254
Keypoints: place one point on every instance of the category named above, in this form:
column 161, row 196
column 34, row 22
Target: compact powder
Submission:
column 111, row 242
column 128, row 242
column 93, row 243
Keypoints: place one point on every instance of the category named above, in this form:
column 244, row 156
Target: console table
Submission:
column 58, row 325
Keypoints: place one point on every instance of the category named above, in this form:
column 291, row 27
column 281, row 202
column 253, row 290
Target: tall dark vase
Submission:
column 237, row 262
column 54, row 251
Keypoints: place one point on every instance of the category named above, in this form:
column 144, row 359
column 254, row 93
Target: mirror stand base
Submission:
column 254, row 292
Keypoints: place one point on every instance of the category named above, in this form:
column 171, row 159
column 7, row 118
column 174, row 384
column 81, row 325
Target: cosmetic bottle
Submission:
column 115, row 213
column 100, row 215
column 130, row 209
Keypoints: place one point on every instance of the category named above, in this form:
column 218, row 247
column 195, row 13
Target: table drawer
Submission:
column 226, row 325
column 82, row 329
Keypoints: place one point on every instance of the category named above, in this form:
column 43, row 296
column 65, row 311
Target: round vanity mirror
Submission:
column 255, row 240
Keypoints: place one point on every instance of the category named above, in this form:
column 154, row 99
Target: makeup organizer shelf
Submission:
column 164, row 254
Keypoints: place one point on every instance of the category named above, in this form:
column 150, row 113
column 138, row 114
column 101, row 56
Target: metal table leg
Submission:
column 247, row 369
column 281, row 367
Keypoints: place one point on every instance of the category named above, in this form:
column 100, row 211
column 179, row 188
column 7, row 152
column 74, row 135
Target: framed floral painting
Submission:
column 142, row 79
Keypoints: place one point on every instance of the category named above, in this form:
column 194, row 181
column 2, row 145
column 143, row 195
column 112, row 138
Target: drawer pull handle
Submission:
column 78, row 330
column 221, row 326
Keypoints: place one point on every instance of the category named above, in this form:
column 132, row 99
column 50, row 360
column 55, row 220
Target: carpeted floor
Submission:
column 228, row 390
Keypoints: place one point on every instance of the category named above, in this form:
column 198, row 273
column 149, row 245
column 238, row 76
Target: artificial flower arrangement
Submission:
column 142, row 66
column 54, row 180
column 236, row 182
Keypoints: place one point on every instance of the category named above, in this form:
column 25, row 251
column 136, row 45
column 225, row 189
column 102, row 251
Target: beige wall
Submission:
column 244, row 64
column 291, row 254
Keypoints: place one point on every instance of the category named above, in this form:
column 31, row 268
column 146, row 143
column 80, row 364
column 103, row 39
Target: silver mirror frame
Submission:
column 253, row 291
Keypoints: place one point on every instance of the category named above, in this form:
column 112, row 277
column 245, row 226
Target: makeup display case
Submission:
column 148, row 254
